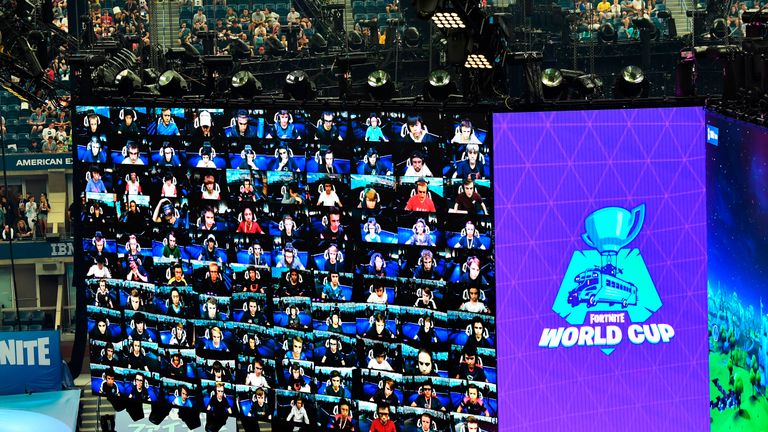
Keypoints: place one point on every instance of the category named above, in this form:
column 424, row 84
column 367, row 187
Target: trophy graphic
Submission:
column 611, row 228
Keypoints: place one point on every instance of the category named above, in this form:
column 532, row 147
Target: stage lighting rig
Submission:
column 298, row 86
column 448, row 20
column 439, row 86
column 245, row 85
column 380, row 85
column 631, row 83
column 171, row 83
column 478, row 61
column 127, row 82
column 318, row 44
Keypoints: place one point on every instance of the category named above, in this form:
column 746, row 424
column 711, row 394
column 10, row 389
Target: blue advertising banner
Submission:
column 29, row 249
column 37, row 161
column 29, row 362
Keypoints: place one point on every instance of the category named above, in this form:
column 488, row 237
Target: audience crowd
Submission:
column 23, row 217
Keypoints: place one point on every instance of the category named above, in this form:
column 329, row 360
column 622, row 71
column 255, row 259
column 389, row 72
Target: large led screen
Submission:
column 317, row 269
column 601, row 242
column 737, row 185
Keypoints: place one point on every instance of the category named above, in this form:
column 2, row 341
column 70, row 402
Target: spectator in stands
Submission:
column 3, row 129
column 293, row 15
column 271, row 16
column 131, row 7
column 185, row 34
column 604, row 9
column 106, row 18
column 61, row 146
column 22, row 230
column 42, row 214
column 37, row 120
column 8, row 233
column 615, row 9
column 49, row 130
column 34, row 147
column 62, row 120
column 245, row 19
column 231, row 17
column 31, row 214
column 199, row 19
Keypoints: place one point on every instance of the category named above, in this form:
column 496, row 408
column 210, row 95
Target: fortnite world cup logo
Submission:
column 609, row 283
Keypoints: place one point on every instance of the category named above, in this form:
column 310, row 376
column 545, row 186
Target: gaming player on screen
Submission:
column 139, row 391
column 383, row 422
column 213, row 284
column 478, row 337
column 421, row 201
column 241, row 127
column 386, row 394
column 205, row 132
column 327, row 133
column 472, row 403
column 427, row 399
column 471, row 167
column 334, row 232
column 328, row 197
column 343, row 420
column 417, row 131
column 95, row 183
column 374, row 165
column 283, row 128
column 469, row 369
column 427, row 269
column 165, row 124
column 95, row 154
column 333, row 357
column 417, row 166
column 468, row 200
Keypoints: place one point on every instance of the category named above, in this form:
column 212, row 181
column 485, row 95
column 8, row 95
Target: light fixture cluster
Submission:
column 448, row 20
column 477, row 61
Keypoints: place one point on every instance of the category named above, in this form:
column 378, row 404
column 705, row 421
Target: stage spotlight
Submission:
column 631, row 83
column 412, row 37
column 318, row 44
column 607, row 33
column 298, row 86
column 127, row 82
column 477, row 61
column 439, row 86
column 553, row 84
column 380, row 85
column 426, row 8
column 354, row 40
column 448, row 20
column 171, row 83
column 245, row 85
column 719, row 29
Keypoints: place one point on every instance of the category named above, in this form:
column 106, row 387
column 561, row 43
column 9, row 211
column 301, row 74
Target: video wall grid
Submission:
column 324, row 269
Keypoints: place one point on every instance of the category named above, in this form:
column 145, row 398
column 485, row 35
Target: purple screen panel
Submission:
column 601, row 246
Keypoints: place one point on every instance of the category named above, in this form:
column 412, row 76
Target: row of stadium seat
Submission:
column 220, row 11
column 35, row 320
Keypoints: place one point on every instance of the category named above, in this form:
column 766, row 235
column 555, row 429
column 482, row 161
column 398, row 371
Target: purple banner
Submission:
column 601, row 245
